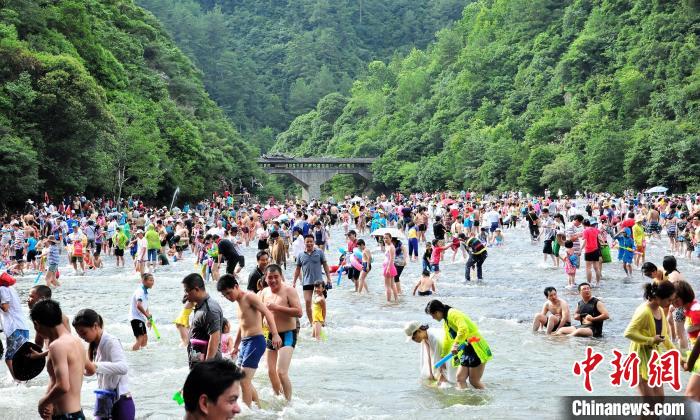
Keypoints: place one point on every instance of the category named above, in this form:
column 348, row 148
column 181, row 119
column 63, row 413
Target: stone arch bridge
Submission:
column 312, row 172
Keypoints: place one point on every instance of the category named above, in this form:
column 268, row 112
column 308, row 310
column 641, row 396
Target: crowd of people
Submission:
column 78, row 235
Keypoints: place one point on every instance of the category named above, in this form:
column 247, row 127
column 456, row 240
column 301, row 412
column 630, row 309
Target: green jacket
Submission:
column 460, row 329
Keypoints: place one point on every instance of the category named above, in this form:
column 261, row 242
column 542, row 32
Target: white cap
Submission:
column 411, row 328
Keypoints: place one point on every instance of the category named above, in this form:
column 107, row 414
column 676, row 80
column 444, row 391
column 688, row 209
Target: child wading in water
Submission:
column 318, row 311
column 425, row 285
column 140, row 315
column 570, row 263
column 227, row 344
column 626, row 251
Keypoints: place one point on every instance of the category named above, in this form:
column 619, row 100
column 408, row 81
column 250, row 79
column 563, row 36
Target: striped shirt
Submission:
column 571, row 231
column 54, row 256
column 19, row 239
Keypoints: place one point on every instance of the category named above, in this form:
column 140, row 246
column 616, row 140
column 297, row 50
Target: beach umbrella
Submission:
column 356, row 199
column 656, row 190
column 394, row 232
column 447, row 201
column 271, row 213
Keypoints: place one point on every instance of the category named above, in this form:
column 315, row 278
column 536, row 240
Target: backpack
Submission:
column 574, row 259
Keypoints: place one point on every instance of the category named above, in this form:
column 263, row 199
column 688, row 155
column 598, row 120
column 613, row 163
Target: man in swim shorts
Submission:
column 65, row 364
column 283, row 302
column 250, row 338
column 558, row 310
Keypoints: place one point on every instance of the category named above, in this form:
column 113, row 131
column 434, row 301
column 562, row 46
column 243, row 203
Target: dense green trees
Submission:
column 529, row 94
column 268, row 61
column 95, row 98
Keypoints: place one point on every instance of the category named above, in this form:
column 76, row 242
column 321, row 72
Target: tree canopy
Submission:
column 267, row 61
column 528, row 94
column 96, row 98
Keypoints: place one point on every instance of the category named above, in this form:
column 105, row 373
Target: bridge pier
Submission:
column 311, row 181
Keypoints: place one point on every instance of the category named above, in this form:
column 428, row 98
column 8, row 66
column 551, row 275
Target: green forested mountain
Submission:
column 94, row 96
column 268, row 61
column 596, row 94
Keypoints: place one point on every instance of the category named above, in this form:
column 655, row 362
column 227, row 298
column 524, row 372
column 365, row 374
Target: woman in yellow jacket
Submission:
column 460, row 330
column 649, row 331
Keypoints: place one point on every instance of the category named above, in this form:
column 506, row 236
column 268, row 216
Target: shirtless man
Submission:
column 654, row 226
column 284, row 304
column 36, row 294
column 250, row 333
column 65, row 365
column 422, row 221
column 558, row 309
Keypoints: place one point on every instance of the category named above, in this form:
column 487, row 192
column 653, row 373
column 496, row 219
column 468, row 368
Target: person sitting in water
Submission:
column 430, row 350
column 591, row 312
column 425, row 285
column 558, row 310
column 212, row 389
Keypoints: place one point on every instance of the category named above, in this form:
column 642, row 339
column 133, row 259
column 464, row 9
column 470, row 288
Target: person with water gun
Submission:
column 463, row 344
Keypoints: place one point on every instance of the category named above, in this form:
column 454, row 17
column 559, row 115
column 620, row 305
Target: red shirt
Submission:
column 627, row 223
column 590, row 235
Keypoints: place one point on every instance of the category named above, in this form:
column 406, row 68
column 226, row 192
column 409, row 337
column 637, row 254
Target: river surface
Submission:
column 365, row 369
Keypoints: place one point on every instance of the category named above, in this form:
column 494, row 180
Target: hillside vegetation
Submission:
column 528, row 94
column 94, row 98
column 268, row 61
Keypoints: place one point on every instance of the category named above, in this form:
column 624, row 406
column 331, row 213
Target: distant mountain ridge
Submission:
column 267, row 61
column 528, row 94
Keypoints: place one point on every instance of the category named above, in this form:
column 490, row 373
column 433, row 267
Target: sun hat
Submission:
column 411, row 328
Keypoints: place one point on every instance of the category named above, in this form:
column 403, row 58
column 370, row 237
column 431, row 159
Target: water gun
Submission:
column 155, row 329
column 629, row 249
column 38, row 277
column 177, row 397
column 460, row 348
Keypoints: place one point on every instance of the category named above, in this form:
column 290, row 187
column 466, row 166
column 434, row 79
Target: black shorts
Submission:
column 118, row 252
column 422, row 227
column 19, row 255
column 547, row 249
column 138, row 327
column 353, row 273
column 469, row 358
column 592, row 256
column 308, row 287
column 426, row 293
column 399, row 270
column 31, row 256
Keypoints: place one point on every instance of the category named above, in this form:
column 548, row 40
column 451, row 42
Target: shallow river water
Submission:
column 366, row 369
